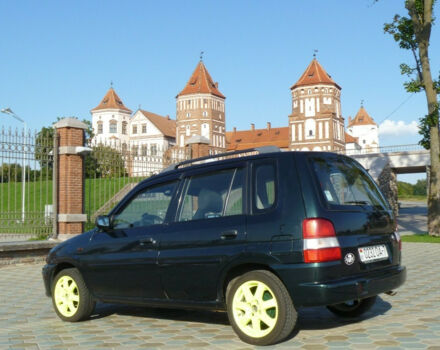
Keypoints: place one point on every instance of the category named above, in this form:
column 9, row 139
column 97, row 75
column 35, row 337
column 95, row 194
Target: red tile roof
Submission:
column 238, row 140
column 314, row 74
column 165, row 125
column 201, row 82
column 111, row 100
column 362, row 118
column 351, row 139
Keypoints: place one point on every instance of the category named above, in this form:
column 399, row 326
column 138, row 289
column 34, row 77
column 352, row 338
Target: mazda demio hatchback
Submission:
column 259, row 233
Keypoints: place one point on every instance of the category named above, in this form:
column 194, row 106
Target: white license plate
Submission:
column 373, row 253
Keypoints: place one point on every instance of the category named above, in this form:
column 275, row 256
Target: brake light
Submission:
column 320, row 242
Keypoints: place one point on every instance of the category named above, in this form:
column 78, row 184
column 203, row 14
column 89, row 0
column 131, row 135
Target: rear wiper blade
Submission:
column 357, row 202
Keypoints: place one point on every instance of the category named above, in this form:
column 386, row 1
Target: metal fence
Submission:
column 384, row 149
column 25, row 184
column 112, row 169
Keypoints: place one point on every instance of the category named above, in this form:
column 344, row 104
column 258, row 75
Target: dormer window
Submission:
column 113, row 127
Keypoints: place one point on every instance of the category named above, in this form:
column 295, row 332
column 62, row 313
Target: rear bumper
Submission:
column 47, row 277
column 342, row 290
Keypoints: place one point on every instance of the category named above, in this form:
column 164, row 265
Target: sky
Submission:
column 57, row 58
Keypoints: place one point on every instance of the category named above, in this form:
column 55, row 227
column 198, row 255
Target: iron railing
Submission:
column 26, row 208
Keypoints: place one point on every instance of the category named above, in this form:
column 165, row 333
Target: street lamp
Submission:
column 23, row 170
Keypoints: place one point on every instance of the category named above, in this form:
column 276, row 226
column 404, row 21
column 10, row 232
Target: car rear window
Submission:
column 344, row 183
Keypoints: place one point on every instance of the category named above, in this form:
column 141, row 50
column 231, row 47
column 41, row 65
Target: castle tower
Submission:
column 316, row 122
column 110, row 120
column 200, row 111
column 365, row 129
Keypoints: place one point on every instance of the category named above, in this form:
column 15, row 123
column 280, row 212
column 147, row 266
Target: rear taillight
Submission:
column 320, row 242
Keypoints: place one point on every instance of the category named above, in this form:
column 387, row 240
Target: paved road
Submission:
column 412, row 218
column 411, row 319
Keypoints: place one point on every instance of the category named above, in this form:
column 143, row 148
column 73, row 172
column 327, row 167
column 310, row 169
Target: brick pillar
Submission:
column 70, row 177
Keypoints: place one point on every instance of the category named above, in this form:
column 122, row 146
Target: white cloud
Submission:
column 398, row 128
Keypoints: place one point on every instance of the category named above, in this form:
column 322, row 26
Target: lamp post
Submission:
column 23, row 170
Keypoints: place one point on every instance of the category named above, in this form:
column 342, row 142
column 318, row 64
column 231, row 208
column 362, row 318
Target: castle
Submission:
column 315, row 123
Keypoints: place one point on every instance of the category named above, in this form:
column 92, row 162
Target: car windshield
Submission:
column 343, row 182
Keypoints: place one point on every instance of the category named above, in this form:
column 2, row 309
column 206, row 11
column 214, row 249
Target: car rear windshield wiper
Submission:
column 357, row 202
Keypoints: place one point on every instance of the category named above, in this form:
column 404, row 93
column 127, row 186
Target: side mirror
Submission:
column 103, row 222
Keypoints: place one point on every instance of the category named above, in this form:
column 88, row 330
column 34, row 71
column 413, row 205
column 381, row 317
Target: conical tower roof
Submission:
column 111, row 100
column 314, row 74
column 201, row 82
column 362, row 118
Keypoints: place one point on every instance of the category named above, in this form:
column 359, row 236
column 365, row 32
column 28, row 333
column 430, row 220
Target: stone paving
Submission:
column 410, row 319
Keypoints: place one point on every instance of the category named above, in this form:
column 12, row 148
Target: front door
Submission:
column 209, row 230
column 122, row 263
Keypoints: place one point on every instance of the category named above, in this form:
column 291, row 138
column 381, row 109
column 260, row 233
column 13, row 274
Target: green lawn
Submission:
column 38, row 194
column 421, row 239
column 413, row 198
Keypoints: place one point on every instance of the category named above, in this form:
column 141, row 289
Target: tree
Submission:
column 104, row 161
column 44, row 146
column 413, row 33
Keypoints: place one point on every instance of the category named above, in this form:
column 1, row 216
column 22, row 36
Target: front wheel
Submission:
column 353, row 308
column 70, row 296
column 260, row 309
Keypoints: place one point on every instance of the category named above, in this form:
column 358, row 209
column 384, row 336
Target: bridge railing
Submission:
column 383, row 149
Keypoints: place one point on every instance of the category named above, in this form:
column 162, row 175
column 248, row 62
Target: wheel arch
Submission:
column 240, row 269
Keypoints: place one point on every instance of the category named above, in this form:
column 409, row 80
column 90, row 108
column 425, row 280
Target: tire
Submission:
column 254, row 322
column 71, row 298
column 354, row 308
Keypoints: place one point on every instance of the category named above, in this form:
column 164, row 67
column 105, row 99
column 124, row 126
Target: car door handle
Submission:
column 229, row 234
column 147, row 241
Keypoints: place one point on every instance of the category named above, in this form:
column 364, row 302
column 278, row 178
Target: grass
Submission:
column 425, row 238
column 39, row 193
column 415, row 198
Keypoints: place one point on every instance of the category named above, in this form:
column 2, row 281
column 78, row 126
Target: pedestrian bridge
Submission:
column 404, row 159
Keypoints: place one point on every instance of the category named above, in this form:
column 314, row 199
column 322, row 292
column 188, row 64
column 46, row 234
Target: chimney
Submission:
column 349, row 120
column 235, row 129
column 216, row 85
column 253, row 127
column 168, row 117
column 268, row 125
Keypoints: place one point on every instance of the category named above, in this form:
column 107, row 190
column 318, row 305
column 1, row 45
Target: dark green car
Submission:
column 257, row 235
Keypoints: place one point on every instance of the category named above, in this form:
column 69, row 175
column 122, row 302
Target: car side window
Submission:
column 264, row 186
column 148, row 207
column 213, row 195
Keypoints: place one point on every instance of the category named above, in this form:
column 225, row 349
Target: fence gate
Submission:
column 26, row 166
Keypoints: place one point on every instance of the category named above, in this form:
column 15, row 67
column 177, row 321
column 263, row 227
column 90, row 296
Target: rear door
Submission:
column 363, row 220
column 208, row 231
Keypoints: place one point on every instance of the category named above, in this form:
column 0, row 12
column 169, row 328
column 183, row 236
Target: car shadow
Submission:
column 197, row 316
column 318, row 318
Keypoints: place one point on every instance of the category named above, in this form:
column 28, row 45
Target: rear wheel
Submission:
column 353, row 308
column 70, row 296
column 259, row 308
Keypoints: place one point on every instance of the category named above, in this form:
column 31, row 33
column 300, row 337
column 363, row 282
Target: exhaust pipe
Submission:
column 391, row 292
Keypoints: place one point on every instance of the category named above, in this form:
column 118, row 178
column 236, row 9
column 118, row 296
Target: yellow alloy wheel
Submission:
column 66, row 295
column 255, row 309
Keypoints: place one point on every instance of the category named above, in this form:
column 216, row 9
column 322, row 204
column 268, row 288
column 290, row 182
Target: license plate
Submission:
column 373, row 253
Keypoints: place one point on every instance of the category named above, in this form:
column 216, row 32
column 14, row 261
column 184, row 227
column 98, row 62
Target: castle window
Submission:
column 144, row 128
column 153, row 149
column 188, row 114
column 124, row 128
column 113, row 127
column 144, row 150
column 100, row 128
column 205, row 113
column 134, row 150
column 310, row 133
column 309, row 91
column 135, row 129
